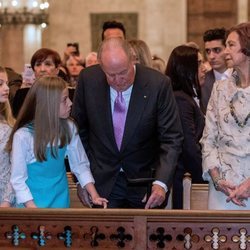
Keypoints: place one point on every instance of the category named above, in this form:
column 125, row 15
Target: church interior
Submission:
column 28, row 25
column 163, row 24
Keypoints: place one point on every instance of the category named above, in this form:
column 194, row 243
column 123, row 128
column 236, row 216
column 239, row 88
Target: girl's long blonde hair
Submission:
column 41, row 110
column 5, row 109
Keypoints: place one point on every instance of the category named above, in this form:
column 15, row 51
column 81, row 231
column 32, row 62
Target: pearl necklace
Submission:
column 241, row 124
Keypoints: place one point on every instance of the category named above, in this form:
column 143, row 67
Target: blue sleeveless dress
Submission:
column 48, row 181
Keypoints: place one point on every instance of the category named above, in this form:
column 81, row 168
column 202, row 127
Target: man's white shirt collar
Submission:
column 222, row 76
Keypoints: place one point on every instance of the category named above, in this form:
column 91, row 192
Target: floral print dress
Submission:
column 6, row 191
column 226, row 139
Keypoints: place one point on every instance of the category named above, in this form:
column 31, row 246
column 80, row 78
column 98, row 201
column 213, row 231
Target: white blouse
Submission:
column 222, row 135
column 225, row 144
column 23, row 154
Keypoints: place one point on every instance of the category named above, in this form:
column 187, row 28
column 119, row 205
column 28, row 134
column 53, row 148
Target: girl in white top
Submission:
column 42, row 136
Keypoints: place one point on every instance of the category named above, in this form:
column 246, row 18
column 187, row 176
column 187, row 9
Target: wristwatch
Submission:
column 216, row 182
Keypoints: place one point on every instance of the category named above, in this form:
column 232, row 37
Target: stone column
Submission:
column 242, row 11
column 32, row 40
column 165, row 25
column 11, row 53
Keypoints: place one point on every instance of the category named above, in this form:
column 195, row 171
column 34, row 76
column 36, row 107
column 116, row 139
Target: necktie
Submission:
column 119, row 118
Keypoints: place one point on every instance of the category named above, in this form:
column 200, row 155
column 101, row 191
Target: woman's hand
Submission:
column 30, row 204
column 241, row 193
column 95, row 197
column 100, row 201
column 225, row 187
column 5, row 204
column 221, row 184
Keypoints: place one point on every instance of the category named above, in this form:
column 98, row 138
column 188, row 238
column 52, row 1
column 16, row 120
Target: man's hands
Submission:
column 157, row 197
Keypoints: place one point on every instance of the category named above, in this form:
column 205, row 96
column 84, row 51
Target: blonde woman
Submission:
column 141, row 53
column 6, row 124
column 41, row 138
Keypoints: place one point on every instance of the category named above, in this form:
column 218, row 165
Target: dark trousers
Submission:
column 124, row 195
column 178, row 189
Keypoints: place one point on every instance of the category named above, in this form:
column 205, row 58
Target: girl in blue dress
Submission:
column 41, row 138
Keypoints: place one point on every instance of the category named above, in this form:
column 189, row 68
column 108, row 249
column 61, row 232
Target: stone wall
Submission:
column 209, row 14
column 74, row 21
column 130, row 21
column 151, row 20
column 163, row 24
column 248, row 9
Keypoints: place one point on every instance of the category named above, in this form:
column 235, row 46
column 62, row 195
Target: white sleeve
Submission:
column 209, row 140
column 19, row 174
column 78, row 160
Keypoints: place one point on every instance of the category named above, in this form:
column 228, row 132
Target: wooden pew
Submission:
column 123, row 228
column 195, row 196
column 76, row 203
column 74, row 200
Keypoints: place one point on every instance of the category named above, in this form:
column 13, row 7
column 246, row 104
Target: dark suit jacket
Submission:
column 206, row 89
column 15, row 82
column 18, row 100
column 193, row 123
column 152, row 136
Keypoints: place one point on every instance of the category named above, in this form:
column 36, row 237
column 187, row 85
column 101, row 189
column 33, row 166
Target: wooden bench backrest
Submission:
column 74, row 200
column 195, row 196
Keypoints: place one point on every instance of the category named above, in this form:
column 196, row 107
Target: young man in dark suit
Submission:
column 152, row 135
column 214, row 43
column 113, row 29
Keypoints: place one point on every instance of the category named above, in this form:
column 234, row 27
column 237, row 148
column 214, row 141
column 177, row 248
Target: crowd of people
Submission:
column 129, row 123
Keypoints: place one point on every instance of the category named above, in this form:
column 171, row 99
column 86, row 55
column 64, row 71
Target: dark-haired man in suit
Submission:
column 148, row 136
column 113, row 29
column 214, row 42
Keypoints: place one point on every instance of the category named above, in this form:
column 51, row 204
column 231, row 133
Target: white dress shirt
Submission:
column 222, row 76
